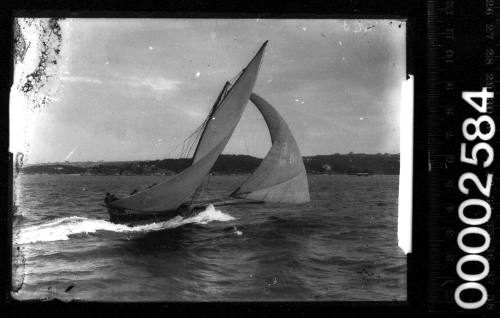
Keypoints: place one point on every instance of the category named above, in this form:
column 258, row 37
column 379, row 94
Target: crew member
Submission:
column 109, row 198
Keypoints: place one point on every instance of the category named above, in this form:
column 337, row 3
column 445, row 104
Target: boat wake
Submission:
column 61, row 229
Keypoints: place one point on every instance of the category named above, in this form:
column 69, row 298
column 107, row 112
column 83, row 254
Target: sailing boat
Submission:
column 281, row 176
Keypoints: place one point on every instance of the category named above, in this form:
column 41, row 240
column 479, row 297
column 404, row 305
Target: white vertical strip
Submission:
column 19, row 114
column 406, row 167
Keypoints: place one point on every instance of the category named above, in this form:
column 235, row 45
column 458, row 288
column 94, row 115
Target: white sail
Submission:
column 281, row 176
column 171, row 194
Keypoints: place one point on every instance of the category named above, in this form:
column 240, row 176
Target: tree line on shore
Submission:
column 226, row 164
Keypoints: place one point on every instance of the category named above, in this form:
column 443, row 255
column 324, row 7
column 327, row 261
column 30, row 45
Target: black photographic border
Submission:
column 414, row 12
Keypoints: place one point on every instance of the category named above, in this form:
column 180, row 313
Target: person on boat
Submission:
column 109, row 198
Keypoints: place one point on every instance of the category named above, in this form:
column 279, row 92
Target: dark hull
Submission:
column 119, row 216
column 137, row 217
column 132, row 217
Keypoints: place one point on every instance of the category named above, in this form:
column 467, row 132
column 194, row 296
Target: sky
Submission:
column 132, row 89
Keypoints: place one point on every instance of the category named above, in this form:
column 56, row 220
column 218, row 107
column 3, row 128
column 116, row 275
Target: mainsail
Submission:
column 281, row 176
column 228, row 112
column 171, row 194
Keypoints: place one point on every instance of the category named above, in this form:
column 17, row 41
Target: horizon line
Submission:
column 188, row 158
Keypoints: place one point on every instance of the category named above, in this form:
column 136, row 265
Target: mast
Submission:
column 212, row 111
column 224, row 122
column 172, row 193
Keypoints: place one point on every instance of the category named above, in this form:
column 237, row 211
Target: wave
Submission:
column 61, row 229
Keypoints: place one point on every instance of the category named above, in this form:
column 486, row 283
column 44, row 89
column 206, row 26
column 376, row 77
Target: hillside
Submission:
column 226, row 164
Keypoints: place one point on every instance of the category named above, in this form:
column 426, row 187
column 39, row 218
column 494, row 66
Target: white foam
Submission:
column 236, row 231
column 61, row 229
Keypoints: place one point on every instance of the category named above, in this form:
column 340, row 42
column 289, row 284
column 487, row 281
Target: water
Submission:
column 341, row 246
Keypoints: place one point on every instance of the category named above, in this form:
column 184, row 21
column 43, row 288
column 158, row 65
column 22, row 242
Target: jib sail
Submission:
column 281, row 176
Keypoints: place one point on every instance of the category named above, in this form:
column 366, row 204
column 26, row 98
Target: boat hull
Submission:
column 131, row 217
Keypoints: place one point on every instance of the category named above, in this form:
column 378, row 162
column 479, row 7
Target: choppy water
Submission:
column 341, row 246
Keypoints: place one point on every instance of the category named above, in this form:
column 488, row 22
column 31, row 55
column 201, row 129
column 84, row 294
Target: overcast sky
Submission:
column 134, row 89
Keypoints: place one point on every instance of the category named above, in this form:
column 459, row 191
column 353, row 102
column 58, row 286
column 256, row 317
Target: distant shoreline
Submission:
column 336, row 164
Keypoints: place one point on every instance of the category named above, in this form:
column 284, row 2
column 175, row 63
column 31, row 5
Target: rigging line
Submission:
column 210, row 114
column 192, row 144
column 227, row 89
column 182, row 143
column 199, row 132
column 189, row 140
column 174, row 148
